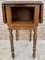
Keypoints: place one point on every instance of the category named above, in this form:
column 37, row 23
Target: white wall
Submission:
column 23, row 34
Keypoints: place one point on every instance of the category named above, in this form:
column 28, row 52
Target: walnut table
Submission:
column 22, row 15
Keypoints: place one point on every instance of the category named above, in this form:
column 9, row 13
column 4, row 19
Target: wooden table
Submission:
column 22, row 15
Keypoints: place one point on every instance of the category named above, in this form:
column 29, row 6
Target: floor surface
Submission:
column 23, row 50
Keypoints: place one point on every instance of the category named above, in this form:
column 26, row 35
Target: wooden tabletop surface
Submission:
column 22, row 2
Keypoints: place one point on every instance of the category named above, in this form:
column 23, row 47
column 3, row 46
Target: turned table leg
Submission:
column 30, row 34
column 34, row 42
column 17, row 35
column 11, row 42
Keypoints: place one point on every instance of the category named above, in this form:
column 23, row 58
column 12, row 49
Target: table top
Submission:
column 11, row 3
column 22, row 2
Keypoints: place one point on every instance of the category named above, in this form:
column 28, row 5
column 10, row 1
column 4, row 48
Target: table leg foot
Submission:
column 13, row 55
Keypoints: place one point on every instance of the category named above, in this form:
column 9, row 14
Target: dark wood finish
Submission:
column 30, row 34
column 34, row 42
column 41, row 14
column 4, row 14
column 17, row 35
column 26, row 4
column 23, row 15
column 11, row 42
